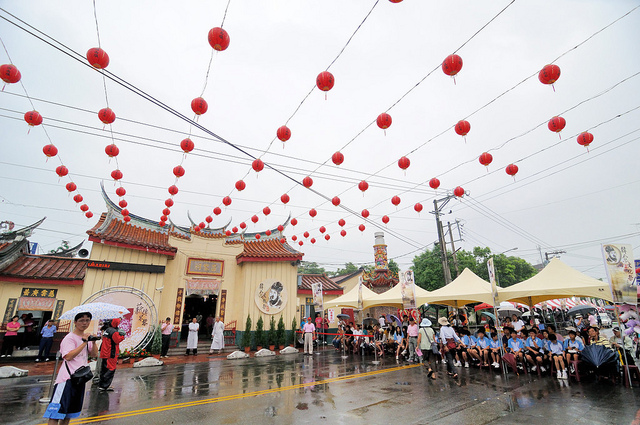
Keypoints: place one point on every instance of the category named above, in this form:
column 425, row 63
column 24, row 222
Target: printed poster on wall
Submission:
column 316, row 291
column 618, row 261
column 271, row 296
column 408, row 289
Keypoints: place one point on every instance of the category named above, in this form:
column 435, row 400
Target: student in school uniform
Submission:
column 556, row 349
column 495, row 345
column 481, row 348
column 573, row 346
column 515, row 346
column 534, row 351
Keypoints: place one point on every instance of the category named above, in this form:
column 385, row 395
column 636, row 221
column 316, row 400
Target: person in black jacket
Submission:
column 109, row 352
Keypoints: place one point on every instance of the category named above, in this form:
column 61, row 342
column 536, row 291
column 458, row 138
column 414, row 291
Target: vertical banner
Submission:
column 408, row 289
column 618, row 261
column 316, row 291
column 492, row 280
column 58, row 311
column 178, row 308
column 331, row 315
column 8, row 313
column 360, row 293
column 223, row 304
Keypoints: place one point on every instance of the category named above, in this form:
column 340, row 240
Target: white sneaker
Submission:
column 543, row 369
column 559, row 375
column 404, row 353
column 496, row 365
column 534, row 368
column 4, row 355
column 564, row 374
column 466, row 365
column 444, row 361
column 397, row 358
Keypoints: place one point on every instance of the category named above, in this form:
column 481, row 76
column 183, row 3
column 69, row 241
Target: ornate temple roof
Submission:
column 14, row 243
column 306, row 280
column 266, row 250
column 380, row 278
column 46, row 269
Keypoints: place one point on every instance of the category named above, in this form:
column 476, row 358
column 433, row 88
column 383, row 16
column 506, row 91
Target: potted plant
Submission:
column 294, row 328
column 246, row 336
column 259, row 334
column 280, row 333
column 272, row 334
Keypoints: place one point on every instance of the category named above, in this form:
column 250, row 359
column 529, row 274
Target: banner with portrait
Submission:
column 360, row 293
column 619, row 263
column 492, row 279
column 316, row 291
column 408, row 289
column 271, row 296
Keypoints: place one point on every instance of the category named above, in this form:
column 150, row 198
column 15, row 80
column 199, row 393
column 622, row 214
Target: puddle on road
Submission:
column 302, row 406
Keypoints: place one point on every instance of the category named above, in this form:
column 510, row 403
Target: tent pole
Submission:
column 624, row 351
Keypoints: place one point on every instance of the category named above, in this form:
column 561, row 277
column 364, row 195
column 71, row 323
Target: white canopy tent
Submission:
column 465, row 289
column 350, row 299
column 393, row 297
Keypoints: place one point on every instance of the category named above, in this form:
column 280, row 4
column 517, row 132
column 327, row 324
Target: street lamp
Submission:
column 508, row 250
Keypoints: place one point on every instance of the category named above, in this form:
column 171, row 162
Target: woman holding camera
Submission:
column 75, row 348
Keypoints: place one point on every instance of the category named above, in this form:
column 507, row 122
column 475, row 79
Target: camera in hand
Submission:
column 93, row 338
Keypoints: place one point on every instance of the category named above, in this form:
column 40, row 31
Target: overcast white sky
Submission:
column 563, row 198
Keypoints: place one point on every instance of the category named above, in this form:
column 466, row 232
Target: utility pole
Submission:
column 453, row 250
column 441, row 239
column 546, row 254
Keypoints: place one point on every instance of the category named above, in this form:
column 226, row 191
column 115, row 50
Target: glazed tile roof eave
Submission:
column 37, row 267
column 327, row 284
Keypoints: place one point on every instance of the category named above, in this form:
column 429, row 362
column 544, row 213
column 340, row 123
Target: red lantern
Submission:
column 9, row 74
column 300, row 243
column 322, row 229
column 452, row 65
column 363, row 186
column 549, row 74
column 361, row 227
column 434, row 183
column 257, row 236
column 164, row 218
column 341, row 222
column 254, row 219
column 218, row 39
column 485, row 159
column 162, row 223
column 208, row 219
column 458, row 191
column 283, row 240
column 585, row 139
column 335, row 201
column 123, row 203
column 240, row 185
column 327, row 237
column 313, row 212
column 78, row 198
column 187, row 145
column 88, row 214
column 395, row 200
column 173, row 189
column 395, row 1
column 512, row 169
column 285, row 198
column 404, row 163
column 557, row 124
column 385, row 219
column 169, row 202
column 116, row 174
column 312, row 240
column 418, row 207
column 33, row 118
column 71, row 187
column 126, row 219
column 124, row 212
column 294, row 238
column 111, row 150
column 166, row 211
column 98, row 58
column 107, row 116
column 178, row 171
column 226, row 201
column 268, row 232
column 337, row 158
column 120, row 191
column 343, row 233
column 217, row 211
column 294, row 221
column 199, row 106
column 280, row 228
column 50, row 150
column 62, row 171
column 284, row 133
column 266, row 211
column 365, row 213
column 235, row 229
column 463, row 127
column 325, row 81
column 307, row 182
column 384, row 121
column 257, row 165
column 243, row 225
column 305, row 234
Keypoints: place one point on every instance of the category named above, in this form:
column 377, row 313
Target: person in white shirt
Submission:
column 309, row 331
column 517, row 323
column 450, row 341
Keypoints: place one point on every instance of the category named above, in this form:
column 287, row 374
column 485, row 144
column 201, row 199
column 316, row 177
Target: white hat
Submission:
column 425, row 322
column 443, row 321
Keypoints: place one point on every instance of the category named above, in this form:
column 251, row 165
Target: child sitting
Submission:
column 515, row 346
column 556, row 350
column 534, row 349
column 482, row 349
column 495, row 346
column 573, row 346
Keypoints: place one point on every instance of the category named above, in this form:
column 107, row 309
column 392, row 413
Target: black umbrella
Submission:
column 598, row 355
column 579, row 309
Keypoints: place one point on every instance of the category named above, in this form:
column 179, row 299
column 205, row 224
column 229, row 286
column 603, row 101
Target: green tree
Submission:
column 280, row 337
column 394, row 267
column 260, row 332
column 271, row 336
column 310, row 268
column 246, row 336
column 348, row 268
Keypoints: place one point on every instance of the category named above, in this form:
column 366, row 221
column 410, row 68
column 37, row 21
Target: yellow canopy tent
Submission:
column 350, row 299
column 465, row 289
column 393, row 297
column 556, row 280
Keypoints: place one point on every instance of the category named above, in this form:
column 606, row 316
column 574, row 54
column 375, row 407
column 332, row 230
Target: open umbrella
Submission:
column 483, row 306
column 391, row 318
column 99, row 311
column 528, row 313
column 580, row 309
column 598, row 355
column 342, row 316
column 508, row 311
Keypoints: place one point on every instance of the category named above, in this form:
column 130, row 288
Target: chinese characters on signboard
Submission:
column 408, row 289
column 8, row 313
column 37, row 292
column 223, row 304
column 202, row 287
column 618, row 261
column 58, row 310
column 178, row 309
column 205, row 267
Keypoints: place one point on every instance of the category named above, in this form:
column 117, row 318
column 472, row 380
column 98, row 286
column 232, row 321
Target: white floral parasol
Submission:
column 99, row 311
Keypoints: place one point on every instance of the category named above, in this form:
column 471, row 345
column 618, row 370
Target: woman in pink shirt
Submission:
column 10, row 337
column 75, row 348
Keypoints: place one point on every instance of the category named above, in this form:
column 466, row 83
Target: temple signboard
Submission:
column 205, row 267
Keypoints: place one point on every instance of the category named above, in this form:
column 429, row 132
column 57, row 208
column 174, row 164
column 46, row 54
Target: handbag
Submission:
column 451, row 344
column 81, row 376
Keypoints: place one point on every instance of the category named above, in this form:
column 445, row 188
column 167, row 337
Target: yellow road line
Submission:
column 231, row 397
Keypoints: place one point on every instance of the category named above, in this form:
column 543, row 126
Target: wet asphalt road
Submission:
column 328, row 389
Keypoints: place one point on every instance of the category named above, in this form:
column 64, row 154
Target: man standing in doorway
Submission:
column 309, row 331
